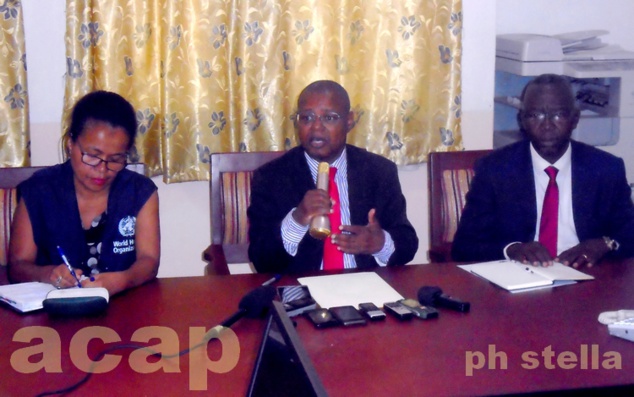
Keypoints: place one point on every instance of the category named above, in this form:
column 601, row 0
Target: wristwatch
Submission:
column 612, row 244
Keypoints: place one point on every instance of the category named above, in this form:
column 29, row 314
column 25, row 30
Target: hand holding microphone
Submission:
column 320, row 224
column 315, row 206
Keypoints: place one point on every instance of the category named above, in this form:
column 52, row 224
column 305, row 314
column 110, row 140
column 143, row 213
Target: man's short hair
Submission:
column 551, row 79
column 324, row 86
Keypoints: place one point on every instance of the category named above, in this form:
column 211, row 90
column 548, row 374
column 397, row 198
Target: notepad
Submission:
column 350, row 289
column 25, row 297
column 518, row 277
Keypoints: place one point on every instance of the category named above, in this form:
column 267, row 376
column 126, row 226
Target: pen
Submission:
column 271, row 281
column 70, row 268
column 7, row 300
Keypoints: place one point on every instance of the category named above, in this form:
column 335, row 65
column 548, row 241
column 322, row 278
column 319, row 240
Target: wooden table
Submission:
column 507, row 344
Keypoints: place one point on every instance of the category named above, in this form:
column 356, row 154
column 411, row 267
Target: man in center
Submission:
column 284, row 199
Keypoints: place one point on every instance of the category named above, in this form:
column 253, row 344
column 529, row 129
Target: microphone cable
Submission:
column 252, row 305
column 208, row 336
column 86, row 377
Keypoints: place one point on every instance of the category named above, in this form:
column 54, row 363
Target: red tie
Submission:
column 333, row 258
column 548, row 223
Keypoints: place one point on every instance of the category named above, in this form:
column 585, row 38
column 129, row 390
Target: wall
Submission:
column 184, row 207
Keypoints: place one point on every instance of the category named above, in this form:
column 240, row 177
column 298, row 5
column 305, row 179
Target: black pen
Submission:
column 70, row 268
column 271, row 281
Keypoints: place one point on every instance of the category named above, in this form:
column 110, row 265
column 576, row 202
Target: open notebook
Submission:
column 25, row 297
column 517, row 277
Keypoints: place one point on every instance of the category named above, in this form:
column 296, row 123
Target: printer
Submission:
column 575, row 46
column 602, row 77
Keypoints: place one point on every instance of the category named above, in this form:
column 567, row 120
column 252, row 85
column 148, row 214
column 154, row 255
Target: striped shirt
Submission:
column 293, row 232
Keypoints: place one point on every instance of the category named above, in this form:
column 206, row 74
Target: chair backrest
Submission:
column 139, row 168
column 231, row 175
column 10, row 178
column 449, row 176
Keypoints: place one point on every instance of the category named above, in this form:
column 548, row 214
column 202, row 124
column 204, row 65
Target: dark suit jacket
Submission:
column 280, row 185
column 501, row 206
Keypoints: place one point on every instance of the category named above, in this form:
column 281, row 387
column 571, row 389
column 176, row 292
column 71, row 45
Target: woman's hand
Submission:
column 60, row 277
column 114, row 282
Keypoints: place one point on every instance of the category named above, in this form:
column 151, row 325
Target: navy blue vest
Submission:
column 51, row 202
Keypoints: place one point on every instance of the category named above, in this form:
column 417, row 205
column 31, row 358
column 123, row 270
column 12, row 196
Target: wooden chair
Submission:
column 9, row 180
column 449, row 175
column 230, row 189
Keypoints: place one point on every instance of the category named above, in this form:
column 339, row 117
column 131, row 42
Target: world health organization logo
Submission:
column 127, row 226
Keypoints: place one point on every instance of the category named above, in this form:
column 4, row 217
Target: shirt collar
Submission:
column 341, row 163
column 539, row 164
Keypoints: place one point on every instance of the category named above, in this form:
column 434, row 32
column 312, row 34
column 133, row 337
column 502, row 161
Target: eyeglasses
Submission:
column 307, row 119
column 540, row 116
column 115, row 165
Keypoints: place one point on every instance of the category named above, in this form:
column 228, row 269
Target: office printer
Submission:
column 602, row 77
column 575, row 46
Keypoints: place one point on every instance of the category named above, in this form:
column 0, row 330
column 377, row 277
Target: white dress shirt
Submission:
column 566, row 231
column 293, row 232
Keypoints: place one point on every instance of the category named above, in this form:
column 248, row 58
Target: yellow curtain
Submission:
column 14, row 109
column 220, row 76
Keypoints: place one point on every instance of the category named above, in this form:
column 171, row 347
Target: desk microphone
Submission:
column 253, row 305
column 320, row 224
column 433, row 296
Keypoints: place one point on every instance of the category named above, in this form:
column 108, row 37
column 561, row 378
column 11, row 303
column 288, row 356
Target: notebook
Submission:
column 25, row 297
column 518, row 277
column 283, row 367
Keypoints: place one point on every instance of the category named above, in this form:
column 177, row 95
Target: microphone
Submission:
column 320, row 224
column 253, row 305
column 433, row 296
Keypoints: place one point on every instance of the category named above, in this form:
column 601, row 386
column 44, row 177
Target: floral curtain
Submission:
column 220, row 76
column 14, row 110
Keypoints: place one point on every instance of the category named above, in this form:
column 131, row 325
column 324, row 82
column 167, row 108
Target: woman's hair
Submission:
column 103, row 106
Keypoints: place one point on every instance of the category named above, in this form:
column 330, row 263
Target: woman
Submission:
column 103, row 217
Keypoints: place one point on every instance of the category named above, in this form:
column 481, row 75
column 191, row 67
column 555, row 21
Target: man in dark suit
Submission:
column 594, row 215
column 284, row 198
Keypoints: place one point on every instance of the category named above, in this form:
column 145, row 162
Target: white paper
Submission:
column 350, row 289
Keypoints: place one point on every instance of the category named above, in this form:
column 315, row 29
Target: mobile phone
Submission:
column 296, row 299
column 371, row 311
column 422, row 312
column 321, row 318
column 347, row 315
column 398, row 310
